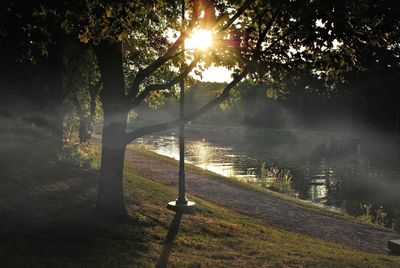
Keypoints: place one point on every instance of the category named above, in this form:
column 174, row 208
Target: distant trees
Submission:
column 374, row 90
column 42, row 66
column 32, row 65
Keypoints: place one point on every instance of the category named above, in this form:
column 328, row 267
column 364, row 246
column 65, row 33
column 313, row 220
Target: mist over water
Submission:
column 339, row 170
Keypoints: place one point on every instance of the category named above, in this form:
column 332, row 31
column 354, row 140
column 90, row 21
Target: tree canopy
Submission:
column 138, row 47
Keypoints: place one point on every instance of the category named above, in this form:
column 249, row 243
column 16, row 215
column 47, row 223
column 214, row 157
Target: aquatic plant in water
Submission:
column 275, row 179
column 378, row 216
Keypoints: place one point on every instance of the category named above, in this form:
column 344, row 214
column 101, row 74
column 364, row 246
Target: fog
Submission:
column 336, row 162
column 338, row 158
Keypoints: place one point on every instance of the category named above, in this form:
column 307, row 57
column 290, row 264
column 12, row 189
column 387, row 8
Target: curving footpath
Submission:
column 270, row 209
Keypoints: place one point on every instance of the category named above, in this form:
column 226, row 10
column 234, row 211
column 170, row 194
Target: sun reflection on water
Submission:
column 203, row 154
column 318, row 192
column 199, row 153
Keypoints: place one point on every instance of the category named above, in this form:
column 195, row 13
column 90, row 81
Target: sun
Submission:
column 199, row 39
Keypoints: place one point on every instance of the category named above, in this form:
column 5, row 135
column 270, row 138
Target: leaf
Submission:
column 84, row 38
column 122, row 36
column 109, row 11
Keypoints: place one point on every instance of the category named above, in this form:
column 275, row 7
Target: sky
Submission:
column 216, row 74
column 203, row 40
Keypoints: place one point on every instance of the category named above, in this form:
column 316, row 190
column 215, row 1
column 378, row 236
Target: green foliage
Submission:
column 78, row 154
column 82, row 85
column 70, row 124
column 324, row 37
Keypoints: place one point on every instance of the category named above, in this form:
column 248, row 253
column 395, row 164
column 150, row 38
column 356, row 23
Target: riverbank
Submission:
column 341, row 171
column 47, row 219
column 273, row 209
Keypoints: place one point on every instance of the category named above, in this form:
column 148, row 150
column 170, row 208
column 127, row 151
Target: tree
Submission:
column 116, row 105
column 82, row 84
column 258, row 40
column 374, row 90
column 32, row 61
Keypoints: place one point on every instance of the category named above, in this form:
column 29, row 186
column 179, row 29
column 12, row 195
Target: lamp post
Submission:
column 181, row 204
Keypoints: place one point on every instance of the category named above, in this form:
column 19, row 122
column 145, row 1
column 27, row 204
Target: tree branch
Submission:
column 281, row 37
column 238, row 13
column 163, row 126
column 174, row 81
column 224, row 95
column 169, row 54
column 142, row 74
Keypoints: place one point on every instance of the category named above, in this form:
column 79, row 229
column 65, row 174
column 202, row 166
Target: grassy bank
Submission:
column 254, row 187
column 47, row 219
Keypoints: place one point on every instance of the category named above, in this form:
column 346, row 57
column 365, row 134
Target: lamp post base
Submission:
column 188, row 208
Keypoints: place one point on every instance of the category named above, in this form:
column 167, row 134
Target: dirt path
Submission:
column 270, row 209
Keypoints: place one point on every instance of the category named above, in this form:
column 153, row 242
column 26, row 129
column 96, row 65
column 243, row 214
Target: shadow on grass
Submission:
column 169, row 240
column 47, row 208
column 91, row 241
column 48, row 219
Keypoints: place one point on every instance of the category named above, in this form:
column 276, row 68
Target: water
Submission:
column 336, row 170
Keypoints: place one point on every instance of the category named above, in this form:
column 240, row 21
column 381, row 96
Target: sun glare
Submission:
column 200, row 39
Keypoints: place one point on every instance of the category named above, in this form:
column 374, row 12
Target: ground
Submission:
column 271, row 209
column 48, row 219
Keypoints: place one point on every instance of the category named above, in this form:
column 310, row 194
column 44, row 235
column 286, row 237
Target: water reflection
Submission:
column 340, row 171
column 197, row 152
column 203, row 154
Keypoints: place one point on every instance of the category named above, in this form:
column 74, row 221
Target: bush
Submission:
column 78, row 154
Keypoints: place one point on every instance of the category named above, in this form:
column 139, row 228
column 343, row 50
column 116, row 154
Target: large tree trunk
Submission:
column 110, row 195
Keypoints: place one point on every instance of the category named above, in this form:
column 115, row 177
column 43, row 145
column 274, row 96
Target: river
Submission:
column 337, row 170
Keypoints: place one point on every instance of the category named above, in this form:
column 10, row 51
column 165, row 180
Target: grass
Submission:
column 47, row 219
column 218, row 237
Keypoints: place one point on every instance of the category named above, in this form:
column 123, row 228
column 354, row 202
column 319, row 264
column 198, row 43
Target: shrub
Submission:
column 78, row 154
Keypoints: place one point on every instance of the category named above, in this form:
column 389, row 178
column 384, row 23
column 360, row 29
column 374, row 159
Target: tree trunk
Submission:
column 110, row 195
column 56, row 124
column 85, row 129
column 55, row 76
column 397, row 120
